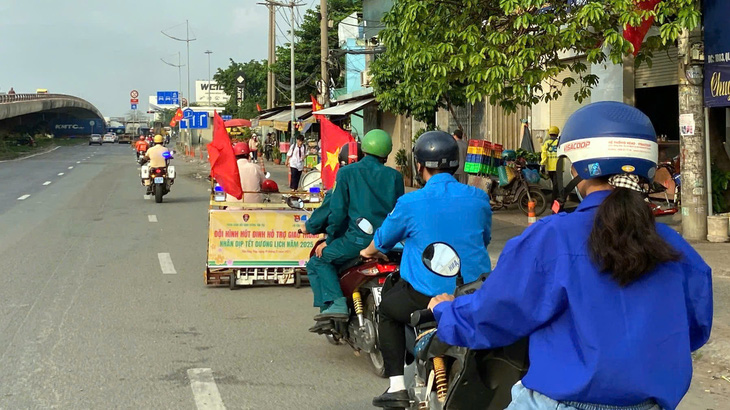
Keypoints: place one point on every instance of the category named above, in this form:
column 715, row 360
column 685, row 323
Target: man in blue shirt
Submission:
column 443, row 211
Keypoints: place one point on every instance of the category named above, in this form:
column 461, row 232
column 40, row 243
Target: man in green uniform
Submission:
column 366, row 189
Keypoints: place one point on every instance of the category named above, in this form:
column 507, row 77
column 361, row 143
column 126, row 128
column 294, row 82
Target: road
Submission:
column 89, row 320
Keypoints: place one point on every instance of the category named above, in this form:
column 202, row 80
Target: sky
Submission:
column 100, row 50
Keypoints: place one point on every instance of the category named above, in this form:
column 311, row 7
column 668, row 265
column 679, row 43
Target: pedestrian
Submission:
column 268, row 146
column 11, row 91
column 460, row 175
column 295, row 162
column 549, row 158
column 253, row 144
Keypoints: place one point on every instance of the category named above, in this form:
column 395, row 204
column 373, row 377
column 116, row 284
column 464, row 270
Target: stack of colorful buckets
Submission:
column 483, row 157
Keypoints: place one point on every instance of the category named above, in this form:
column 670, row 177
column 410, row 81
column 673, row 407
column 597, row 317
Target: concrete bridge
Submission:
column 38, row 111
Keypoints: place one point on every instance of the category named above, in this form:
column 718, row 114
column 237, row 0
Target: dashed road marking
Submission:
column 23, row 198
column 47, row 183
column 70, row 167
column 152, row 218
column 205, row 391
column 166, row 264
column 60, row 174
column 78, row 162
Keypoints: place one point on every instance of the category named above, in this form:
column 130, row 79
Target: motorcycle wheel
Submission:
column 537, row 196
column 376, row 358
column 232, row 281
column 158, row 193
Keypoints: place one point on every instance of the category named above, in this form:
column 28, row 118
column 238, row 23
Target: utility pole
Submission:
column 187, row 41
column 692, row 148
column 208, row 52
column 179, row 66
column 270, row 78
column 324, row 52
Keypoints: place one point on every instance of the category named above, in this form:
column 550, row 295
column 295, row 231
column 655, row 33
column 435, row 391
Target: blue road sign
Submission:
column 168, row 97
column 188, row 113
column 226, row 117
column 198, row 120
column 134, row 106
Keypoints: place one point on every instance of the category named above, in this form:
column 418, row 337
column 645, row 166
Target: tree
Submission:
column 307, row 54
column 441, row 53
column 254, row 91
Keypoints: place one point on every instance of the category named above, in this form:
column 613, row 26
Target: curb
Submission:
column 32, row 155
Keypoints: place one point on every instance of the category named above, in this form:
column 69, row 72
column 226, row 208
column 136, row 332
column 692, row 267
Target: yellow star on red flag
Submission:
column 332, row 159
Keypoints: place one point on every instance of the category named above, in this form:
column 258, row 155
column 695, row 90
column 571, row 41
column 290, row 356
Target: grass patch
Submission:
column 9, row 149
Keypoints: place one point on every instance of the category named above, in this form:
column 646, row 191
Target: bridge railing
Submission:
column 7, row 98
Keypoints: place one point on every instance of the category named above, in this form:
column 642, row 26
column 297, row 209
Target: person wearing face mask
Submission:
column 444, row 210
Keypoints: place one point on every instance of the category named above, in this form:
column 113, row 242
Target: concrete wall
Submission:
column 18, row 108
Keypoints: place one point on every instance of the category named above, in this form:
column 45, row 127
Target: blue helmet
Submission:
column 608, row 138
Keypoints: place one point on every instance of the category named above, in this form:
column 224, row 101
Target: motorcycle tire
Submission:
column 159, row 191
column 232, row 281
column 541, row 203
column 376, row 358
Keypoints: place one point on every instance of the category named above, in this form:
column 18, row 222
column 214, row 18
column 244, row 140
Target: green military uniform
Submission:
column 366, row 189
column 317, row 222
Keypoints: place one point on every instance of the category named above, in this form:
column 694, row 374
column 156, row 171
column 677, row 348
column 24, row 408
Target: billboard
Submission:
column 217, row 95
column 717, row 53
column 73, row 126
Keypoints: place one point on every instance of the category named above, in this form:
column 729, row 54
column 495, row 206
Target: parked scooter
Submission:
column 440, row 376
column 518, row 191
column 361, row 282
column 157, row 180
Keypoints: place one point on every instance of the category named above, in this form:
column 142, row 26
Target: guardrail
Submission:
column 8, row 98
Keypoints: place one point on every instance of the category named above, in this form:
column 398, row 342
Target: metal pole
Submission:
column 293, row 89
column 324, row 52
column 271, row 79
column 208, row 52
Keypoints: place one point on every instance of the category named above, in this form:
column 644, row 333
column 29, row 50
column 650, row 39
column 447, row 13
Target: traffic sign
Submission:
column 188, row 113
column 134, row 94
column 168, row 97
column 184, row 102
column 198, row 120
column 226, row 117
column 134, row 106
column 134, row 101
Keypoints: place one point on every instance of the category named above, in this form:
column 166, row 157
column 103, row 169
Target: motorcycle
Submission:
column 444, row 377
column 667, row 180
column 157, row 180
column 518, row 191
column 361, row 282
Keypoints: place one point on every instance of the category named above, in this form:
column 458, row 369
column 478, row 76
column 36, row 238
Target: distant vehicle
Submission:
column 109, row 138
column 95, row 139
column 125, row 138
column 41, row 91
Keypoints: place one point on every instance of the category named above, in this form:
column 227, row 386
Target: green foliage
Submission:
column 254, row 91
column 441, row 53
column 275, row 152
column 530, row 157
column 402, row 162
column 307, row 54
column 720, row 182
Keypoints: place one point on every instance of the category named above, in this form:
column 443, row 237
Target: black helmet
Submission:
column 437, row 150
column 349, row 153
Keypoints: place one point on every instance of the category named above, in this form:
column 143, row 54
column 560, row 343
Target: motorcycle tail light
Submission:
column 386, row 267
column 381, row 280
column 158, row 171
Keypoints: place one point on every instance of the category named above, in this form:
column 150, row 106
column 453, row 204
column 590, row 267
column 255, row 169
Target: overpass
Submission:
column 37, row 112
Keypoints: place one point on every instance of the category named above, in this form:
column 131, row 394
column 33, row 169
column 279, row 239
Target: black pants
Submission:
column 395, row 313
column 296, row 175
column 554, row 178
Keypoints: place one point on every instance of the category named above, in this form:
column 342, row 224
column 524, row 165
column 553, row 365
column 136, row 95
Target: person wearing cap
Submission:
column 615, row 305
column 444, row 210
column 250, row 174
column 549, row 157
column 367, row 190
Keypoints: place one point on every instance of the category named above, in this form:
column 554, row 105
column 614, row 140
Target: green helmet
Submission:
column 377, row 142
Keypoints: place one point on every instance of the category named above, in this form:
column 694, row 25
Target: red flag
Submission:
column 316, row 106
column 636, row 35
column 333, row 138
column 173, row 122
column 223, row 166
column 258, row 107
column 178, row 115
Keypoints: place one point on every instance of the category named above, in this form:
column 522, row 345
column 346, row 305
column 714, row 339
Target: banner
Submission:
column 258, row 238
column 717, row 53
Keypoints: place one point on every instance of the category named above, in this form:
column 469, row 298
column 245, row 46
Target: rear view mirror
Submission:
column 441, row 259
column 365, row 226
column 295, row 202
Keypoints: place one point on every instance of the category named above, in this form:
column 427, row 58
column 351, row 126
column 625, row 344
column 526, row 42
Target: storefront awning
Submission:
column 346, row 108
column 281, row 120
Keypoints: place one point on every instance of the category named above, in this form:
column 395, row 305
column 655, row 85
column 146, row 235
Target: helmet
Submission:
column 269, row 185
column 141, row 137
column 241, row 148
column 509, row 155
column 608, row 138
column 377, row 142
column 553, row 130
column 158, row 139
column 437, row 149
column 349, row 153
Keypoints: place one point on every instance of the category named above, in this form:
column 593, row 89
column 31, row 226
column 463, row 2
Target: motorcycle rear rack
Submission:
column 254, row 276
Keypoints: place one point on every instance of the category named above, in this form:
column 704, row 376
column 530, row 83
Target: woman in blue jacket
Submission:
column 613, row 302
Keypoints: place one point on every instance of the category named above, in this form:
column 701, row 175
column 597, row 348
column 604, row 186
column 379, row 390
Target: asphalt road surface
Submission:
column 103, row 305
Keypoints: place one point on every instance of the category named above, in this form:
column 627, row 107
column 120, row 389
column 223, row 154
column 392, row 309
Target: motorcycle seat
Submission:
column 348, row 265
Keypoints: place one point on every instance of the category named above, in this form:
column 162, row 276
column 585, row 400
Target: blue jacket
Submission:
column 442, row 211
column 590, row 339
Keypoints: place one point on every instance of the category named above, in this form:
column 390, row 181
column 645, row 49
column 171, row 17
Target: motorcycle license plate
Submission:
column 159, row 180
column 377, row 292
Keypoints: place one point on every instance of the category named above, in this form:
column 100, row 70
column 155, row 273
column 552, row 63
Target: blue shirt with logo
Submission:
column 591, row 340
column 444, row 210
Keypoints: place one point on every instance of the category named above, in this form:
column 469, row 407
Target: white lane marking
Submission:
column 23, row 198
column 60, row 174
column 78, row 162
column 152, row 218
column 166, row 264
column 47, row 183
column 207, row 396
column 70, row 167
